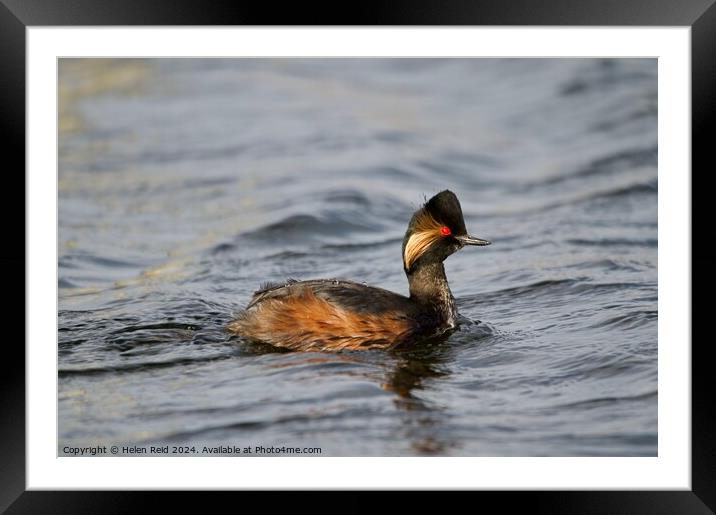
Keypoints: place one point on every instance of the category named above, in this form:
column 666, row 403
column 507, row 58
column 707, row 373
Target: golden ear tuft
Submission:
column 426, row 230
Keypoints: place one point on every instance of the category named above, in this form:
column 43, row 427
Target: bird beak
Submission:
column 471, row 240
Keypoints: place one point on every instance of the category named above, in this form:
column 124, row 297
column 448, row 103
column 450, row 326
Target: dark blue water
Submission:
column 184, row 184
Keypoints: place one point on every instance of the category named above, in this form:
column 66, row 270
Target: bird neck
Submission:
column 429, row 286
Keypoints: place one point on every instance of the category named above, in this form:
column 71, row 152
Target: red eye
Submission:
column 445, row 231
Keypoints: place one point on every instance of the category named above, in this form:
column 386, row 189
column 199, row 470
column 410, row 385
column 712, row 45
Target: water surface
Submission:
column 184, row 184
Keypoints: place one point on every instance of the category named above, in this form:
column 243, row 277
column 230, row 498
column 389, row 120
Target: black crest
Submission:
column 445, row 208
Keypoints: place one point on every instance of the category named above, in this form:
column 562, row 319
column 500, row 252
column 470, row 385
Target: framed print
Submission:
column 214, row 215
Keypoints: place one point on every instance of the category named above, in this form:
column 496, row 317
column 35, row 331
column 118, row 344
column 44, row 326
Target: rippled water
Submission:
column 184, row 184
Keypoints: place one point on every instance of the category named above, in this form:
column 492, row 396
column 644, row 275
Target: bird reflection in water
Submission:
column 422, row 419
column 403, row 374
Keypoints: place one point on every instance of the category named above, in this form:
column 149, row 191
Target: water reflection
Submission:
column 404, row 372
column 416, row 364
column 422, row 420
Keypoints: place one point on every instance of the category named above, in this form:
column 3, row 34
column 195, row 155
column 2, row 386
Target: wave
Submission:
column 629, row 320
column 557, row 286
column 301, row 226
column 614, row 242
column 649, row 187
column 273, row 422
column 73, row 371
column 604, row 401
column 611, row 264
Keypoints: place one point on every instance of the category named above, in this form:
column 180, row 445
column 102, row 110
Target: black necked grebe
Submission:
column 333, row 315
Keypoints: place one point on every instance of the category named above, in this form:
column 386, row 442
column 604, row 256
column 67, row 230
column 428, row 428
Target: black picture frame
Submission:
column 17, row 15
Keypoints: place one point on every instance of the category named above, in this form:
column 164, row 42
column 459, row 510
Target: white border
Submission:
column 671, row 469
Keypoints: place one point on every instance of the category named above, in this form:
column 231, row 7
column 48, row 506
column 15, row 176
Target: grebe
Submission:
column 334, row 315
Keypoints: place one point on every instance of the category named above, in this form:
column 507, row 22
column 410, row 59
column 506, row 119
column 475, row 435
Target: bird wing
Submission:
column 346, row 294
